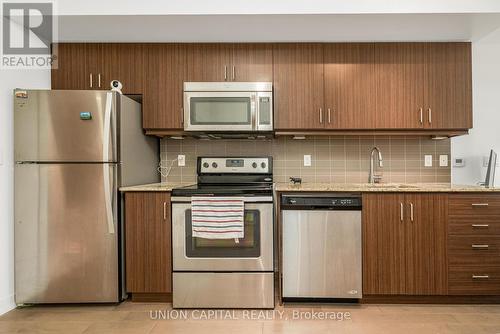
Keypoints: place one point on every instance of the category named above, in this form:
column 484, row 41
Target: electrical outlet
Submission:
column 428, row 160
column 443, row 160
column 181, row 160
column 307, row 160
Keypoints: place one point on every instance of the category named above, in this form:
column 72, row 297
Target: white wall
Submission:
column 10, row 79
column 486, row 103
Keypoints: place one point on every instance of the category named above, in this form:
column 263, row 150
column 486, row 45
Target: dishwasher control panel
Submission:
column 332, row 202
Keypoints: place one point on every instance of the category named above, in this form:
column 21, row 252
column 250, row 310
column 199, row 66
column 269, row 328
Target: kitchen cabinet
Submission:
column 349, row 86
column 165, row 71
column 448, row 89
column 474, row 244
column 70, row 67
column 94, row 65
column 404, row 244
column 298, row 86
column 230, row 62
column 423, row 86
column 148, row 254
column 399, row 85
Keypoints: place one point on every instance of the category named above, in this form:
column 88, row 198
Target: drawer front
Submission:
column 472, row 205
column 467, row 250
column 474, row 280
column 474, row 225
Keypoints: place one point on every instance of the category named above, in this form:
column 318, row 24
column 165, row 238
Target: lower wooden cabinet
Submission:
column 148, row 243
column 404, row 244
column 474, row 244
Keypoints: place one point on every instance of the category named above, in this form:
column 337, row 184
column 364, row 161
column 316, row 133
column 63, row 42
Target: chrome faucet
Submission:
column 372, row 178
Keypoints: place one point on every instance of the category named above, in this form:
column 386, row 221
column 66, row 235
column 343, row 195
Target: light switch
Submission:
column 443, row 160
column 307, row 160
column 428, row 160
column 181, row 160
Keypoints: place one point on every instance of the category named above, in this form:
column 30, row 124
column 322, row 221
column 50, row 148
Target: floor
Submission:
column 144, row 318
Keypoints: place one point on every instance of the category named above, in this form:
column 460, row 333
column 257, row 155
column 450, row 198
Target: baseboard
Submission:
column 410, row 299
column 6, row 304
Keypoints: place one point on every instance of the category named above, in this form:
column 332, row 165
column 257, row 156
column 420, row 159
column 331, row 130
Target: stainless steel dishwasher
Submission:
column 321, row 246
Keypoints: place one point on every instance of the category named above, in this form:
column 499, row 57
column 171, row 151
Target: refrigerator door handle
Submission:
column 106, row 169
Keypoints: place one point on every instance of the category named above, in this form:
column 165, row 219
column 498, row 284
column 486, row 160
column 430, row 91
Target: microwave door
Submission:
column 219, row 111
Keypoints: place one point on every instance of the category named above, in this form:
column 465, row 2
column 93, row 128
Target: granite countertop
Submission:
column 168, row 186
column 382, row 187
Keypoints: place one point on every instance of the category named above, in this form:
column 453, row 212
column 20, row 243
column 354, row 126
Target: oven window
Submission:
column 220, row 110
column 249, row 246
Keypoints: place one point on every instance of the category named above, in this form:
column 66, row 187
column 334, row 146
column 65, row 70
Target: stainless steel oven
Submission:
column 226, row 273
column 252, row 253
column 228, row 106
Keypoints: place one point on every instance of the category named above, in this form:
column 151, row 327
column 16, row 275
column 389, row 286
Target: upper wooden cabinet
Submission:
column 350, row 86
column 405, row 87
column 94, row 65
column 448, row 86
column 298, row 86
column 164, row 76
column 230, row 62
column 404, row 244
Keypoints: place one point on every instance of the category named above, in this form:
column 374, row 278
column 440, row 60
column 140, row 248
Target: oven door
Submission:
column 219, row 111
column 254, row 252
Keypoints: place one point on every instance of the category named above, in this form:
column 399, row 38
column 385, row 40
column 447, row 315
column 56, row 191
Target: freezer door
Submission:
column 66, row 245
column 64, row 125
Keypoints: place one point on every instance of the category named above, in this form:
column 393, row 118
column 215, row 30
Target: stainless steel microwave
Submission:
column 228, row 106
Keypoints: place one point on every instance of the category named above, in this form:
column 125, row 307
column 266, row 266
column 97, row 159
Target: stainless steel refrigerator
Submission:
column 73, row 150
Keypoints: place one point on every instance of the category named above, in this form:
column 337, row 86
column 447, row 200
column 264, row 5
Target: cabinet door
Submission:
column 298, row 86
column 350, row 86
column 252, row 62
column 384, row 254
column 123, row 62
column 399, row 82
column 148, row 242
column 448, row 93
column 164, row 75
column 209, row 62
column 95, row 65
column 426, row 244
column 69, row 70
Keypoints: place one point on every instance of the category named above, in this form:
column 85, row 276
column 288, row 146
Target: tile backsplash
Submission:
column 335, row 159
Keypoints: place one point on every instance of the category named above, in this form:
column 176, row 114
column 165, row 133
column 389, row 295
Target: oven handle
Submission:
column 253, row 199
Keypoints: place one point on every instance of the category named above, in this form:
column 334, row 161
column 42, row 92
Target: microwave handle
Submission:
column 254, row 112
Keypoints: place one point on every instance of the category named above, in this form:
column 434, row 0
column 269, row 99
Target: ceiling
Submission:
column 277, row 28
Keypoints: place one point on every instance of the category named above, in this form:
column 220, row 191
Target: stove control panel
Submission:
column 235, row 165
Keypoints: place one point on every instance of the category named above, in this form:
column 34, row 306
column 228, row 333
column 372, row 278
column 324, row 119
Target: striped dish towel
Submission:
column 217, row 217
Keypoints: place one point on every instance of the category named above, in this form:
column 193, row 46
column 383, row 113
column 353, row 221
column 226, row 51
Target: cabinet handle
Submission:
column 401, row 213
column 480, row 246
column 164, row 210
column 320, row 115
column 234, row 73
column 421, row 116
column 430, row 115
column 480, row 276
column 411, row 212
column 329, row 116
column 480, row 225
column 90, row 78
column 225, row 73
column 479, row 204
column 99, row 80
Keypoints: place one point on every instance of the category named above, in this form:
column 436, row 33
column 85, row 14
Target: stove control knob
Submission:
column 205, row 165
column 254, row 165
column 214, row 164
column 263, row 165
